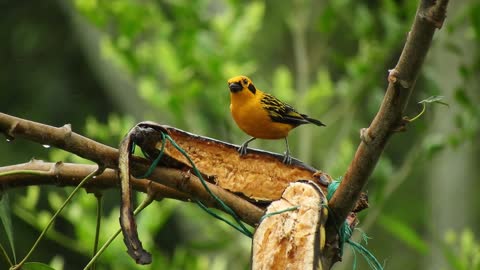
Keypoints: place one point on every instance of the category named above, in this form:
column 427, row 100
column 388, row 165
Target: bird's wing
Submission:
column 282, row 112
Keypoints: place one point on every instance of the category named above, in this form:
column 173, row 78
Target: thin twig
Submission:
column 5, row 255
column 61, row 239
column 148, row 200
column 69, row 198
column 98, row 196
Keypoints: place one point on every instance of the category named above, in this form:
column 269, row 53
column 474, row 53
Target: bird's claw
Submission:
column 242, row 150
column 287, row 159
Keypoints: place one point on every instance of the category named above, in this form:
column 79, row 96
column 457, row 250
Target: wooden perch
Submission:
column 295, row 238
column 259, row 175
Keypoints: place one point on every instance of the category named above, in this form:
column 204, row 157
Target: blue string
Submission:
column 345, row 233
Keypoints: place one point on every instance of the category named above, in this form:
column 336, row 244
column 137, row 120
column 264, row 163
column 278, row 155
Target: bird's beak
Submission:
column 234, row 87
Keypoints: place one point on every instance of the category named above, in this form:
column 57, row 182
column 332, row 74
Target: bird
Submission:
column 263, row 116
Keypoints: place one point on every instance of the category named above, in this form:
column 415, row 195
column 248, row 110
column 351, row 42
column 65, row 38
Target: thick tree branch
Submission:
column 71, row 174
column 106, row 156
column 430, row 15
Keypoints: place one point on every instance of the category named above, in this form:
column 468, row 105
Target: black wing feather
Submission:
column 283, row 113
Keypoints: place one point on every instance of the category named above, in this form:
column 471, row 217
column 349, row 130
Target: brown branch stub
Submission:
column 295, row 238
column 430, row 15
column 435, row 12
column 394, row 77
column 365, row 136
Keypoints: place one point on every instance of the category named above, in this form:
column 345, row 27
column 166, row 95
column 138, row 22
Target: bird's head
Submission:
column 241, row 83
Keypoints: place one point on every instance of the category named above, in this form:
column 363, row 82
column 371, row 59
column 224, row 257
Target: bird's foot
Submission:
column 243, row 149
column 287, row 159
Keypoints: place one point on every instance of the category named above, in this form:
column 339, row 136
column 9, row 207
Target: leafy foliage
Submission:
column 6, row 222
column 462, row 250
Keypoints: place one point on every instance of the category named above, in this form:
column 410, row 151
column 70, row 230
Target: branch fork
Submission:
column 430, row 16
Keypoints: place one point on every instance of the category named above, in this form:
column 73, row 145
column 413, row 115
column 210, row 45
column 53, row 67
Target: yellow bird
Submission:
column 262, row 115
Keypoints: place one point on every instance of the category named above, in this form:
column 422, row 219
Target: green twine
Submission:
column 332, row 187
column 345, row 233
column 239, row 226
column 293, row 208
column 155, row 161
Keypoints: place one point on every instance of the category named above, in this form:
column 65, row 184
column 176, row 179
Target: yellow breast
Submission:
column 253, row 119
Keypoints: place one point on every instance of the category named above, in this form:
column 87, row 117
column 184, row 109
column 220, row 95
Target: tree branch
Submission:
column 430, row 15
column 106, row 156
column 71, row 174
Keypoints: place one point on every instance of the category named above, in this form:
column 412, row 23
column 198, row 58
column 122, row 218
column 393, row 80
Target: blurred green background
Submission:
column 105, row 65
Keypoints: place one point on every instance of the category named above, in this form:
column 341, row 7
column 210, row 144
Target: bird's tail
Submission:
column 314, row 121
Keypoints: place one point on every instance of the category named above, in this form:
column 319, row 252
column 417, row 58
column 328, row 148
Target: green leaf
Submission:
column 55, row 200
column 461, row 249
column 36, row 266
column 462, row 98
column 475, row 19
column 465, row 71
column 283, row 84
column 365, row 20
column 323, row 87
column 434, row 143
column 434, row 99
column 30, row 200
column 454, row 48
column 326, row 21
column 452, row 259
column 404, row 232
column 6, row 221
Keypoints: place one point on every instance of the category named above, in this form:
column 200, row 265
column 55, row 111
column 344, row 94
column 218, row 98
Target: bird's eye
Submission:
column 245, row 81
